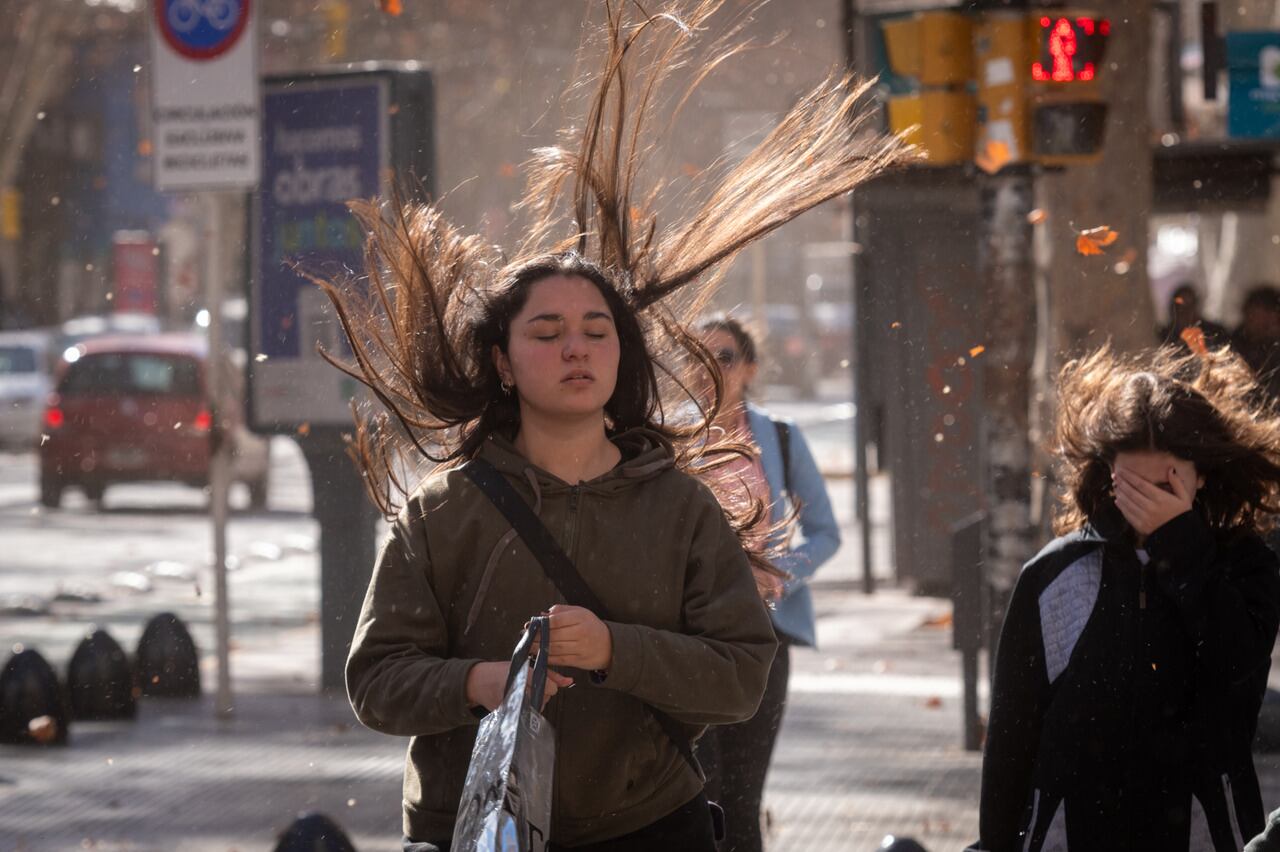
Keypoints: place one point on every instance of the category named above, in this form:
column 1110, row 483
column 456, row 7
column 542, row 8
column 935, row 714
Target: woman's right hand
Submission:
column 487, row 681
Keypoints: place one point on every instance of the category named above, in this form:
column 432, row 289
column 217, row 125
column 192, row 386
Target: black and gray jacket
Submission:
column 1126, row 695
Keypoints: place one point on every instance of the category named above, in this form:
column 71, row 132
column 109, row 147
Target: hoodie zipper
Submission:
column 571, row 522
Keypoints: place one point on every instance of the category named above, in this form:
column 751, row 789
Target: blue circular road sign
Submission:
column 201, row 29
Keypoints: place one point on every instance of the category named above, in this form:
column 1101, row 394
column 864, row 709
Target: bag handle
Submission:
column 539, row 628
column 563, row 573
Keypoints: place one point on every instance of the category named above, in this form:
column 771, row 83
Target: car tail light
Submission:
column 54, row 418
column 203, row 421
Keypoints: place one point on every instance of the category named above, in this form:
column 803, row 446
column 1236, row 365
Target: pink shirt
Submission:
column 742, row 480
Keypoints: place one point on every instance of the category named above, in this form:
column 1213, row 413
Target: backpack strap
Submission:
column 784, row 444
column 560, row 569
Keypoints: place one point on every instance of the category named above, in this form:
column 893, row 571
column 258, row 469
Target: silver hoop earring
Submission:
column 507, row 388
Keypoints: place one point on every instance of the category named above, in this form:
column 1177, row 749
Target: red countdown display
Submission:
column 1070, row 48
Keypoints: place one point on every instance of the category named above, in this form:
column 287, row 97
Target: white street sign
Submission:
column 204, row 94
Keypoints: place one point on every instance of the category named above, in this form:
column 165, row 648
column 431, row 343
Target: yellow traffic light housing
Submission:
column 1003, row 52
column 933, row 50
column 1037, row 97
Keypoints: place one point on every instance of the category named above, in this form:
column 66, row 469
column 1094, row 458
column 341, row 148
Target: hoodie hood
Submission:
column 645, row 454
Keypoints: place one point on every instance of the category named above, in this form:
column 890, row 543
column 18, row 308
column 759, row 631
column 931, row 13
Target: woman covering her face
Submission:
column 1135, row 651
column 556, row 368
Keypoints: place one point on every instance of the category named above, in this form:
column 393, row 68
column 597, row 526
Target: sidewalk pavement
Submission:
column 871, row 743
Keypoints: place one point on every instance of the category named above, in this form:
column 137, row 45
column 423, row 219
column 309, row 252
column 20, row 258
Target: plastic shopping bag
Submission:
column 506, row 800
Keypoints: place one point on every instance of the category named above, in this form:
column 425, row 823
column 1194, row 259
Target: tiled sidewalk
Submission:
column 869, row 747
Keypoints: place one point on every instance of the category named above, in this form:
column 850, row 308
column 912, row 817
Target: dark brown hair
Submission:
column 1204, row 408
column 423, row 324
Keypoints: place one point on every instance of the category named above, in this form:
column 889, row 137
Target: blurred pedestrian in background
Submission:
column 1135, row 651
column 1184, row 313
column 1257, row 339
column 783, row 473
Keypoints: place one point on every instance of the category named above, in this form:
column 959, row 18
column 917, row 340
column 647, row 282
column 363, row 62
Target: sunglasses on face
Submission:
column 726, row 357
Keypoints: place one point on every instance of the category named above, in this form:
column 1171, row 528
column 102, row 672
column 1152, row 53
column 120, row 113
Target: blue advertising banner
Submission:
column 1253, row 64
column 324, row 142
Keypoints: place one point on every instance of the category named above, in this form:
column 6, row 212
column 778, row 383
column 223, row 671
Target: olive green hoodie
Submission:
column 454, row 585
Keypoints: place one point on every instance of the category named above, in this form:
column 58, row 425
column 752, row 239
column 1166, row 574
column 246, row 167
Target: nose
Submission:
column 575, row 347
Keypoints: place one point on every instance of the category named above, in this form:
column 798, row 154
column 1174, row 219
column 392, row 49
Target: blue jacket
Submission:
column 821, row 534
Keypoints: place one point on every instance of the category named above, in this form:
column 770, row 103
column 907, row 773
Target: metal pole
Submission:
column 220, row 447
column 861, row 400
column 861, row 325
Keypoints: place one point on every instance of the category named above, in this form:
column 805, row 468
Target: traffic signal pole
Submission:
column 1007, row 270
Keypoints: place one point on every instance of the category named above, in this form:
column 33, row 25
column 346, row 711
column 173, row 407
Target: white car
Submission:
column 24, row 383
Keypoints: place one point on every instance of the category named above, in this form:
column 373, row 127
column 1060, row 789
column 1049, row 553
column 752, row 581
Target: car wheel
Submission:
column 50, row 491
column 258, row 493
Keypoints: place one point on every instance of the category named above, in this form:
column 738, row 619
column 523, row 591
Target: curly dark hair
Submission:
column 1202, row 407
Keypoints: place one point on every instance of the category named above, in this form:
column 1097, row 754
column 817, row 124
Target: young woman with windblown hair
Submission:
column 1135, row 651
column 782, row 472
column 557, row 368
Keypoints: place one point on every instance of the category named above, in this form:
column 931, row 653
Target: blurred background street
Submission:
column 1089, row 174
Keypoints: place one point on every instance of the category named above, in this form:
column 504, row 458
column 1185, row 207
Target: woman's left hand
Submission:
column 1146, row 505
column 579, row 639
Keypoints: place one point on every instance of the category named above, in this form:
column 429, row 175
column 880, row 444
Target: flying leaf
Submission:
column 994, row 156
column 976, row 351
column 391, row 7
column 1035, row 217
column 1193, row 336
column 943, row 619
column 1094, row 240
column 43, row 729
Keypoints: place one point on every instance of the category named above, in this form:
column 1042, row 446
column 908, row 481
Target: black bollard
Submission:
column 33, row 710
column 893, row 843
column 314, row 832
column 100, row 680
column 166, row 664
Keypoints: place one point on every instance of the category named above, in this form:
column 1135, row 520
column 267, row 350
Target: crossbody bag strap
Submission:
column 784, row 450
column 560, row 569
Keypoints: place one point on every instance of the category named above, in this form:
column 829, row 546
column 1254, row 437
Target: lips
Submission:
column 578, row 376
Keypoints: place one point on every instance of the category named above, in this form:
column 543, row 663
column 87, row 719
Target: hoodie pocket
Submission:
column 606, row 758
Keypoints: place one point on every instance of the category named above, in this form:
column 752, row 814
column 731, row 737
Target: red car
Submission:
column 135, row 409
